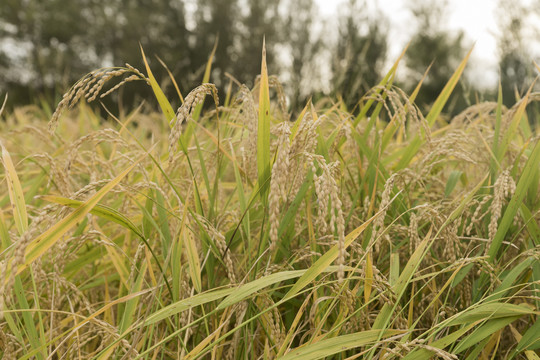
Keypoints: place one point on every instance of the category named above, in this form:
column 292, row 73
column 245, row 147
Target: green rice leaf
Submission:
column 482, row 332
column 324, row 261
column 404, row 279
column 231, row 295
column 531, row 338
column 328, row 347
column 128, row 315
column 452, row 182
column 521, row 190
column 103, row 211
column 487, row 311
column 191, row 251
column 510, row 133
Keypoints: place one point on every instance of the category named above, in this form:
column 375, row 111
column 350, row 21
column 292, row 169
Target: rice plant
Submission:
column 228, row 231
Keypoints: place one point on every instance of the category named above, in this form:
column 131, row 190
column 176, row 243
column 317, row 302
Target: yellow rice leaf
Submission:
column 191, row 252
column 160, row 96
column 16, row 195
column 369, row 277
column 263, row 130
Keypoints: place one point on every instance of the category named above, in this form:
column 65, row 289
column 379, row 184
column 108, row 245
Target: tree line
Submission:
column 45, row 46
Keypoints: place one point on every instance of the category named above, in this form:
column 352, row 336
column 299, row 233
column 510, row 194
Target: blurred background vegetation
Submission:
column 45, row 46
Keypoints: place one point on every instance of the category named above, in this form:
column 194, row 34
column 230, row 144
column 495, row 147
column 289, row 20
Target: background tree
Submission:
column 259, row 19
column 360, row 51
column 159, row 27
column 38, row 50
column 433, row 45
column 515, row 63
column 48, row 45
column 216, row 20
column 303, row 44
column 45, row 46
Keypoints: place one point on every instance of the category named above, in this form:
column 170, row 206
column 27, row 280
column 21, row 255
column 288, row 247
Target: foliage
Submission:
column 360, row 52
column 305, row 46
column 434, row 48
column 514, row 62
column 59, row 42
column 47, row 45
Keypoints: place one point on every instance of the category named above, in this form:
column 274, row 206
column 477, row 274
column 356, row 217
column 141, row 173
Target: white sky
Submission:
column 476, row 17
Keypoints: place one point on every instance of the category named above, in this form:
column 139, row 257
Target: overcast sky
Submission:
column 476, row 18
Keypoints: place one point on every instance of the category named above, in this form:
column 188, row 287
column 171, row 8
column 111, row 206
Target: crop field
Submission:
column 232, row 229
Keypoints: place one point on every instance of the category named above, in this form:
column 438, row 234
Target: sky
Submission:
column 476, row 18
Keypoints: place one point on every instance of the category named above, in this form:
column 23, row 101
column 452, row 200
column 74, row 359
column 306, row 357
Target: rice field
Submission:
column 229, row 229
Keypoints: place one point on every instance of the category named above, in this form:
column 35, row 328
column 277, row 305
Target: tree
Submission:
column 360, row 52
column 303, row 45
column 59, row 41
column 37, row 40
column 433, row 45
column 514, row 63
column 216, row 20
column 261, row 20
column 45, row 46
